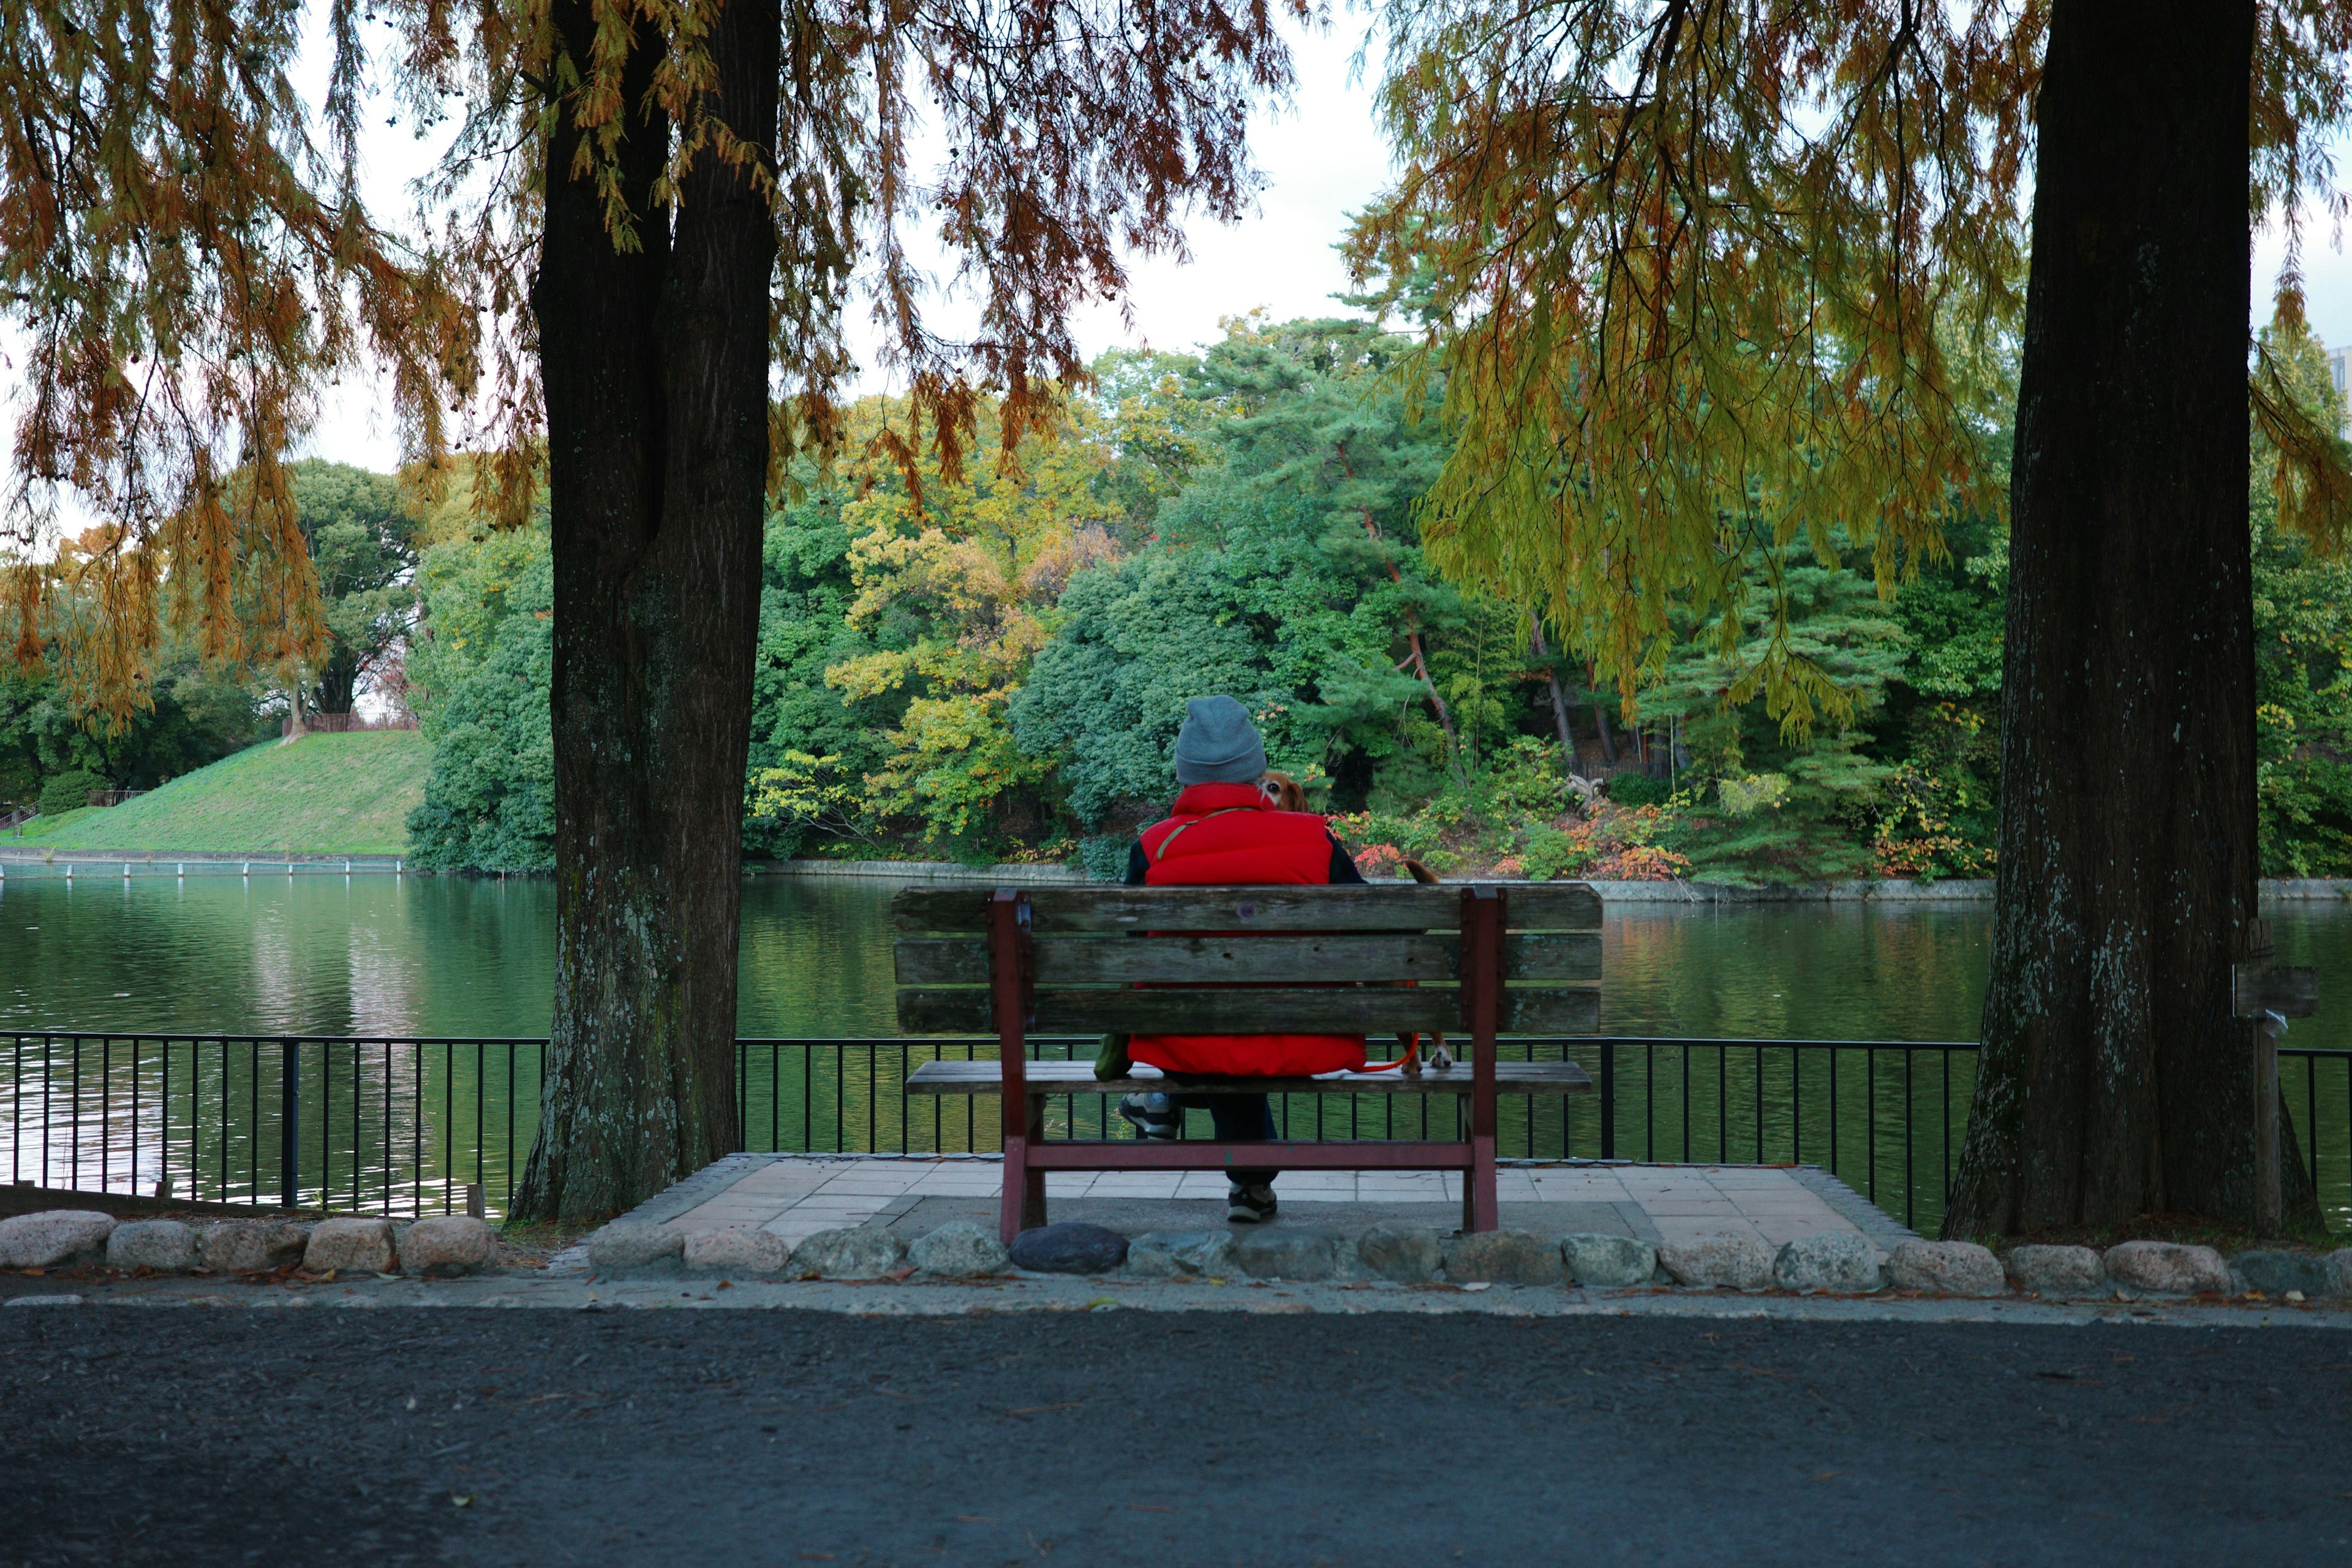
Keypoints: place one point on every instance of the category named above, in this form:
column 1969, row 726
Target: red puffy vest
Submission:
column 1225, row 833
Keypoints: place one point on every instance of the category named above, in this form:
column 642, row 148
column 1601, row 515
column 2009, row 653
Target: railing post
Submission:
column 1608, row 1099
column 289, row 1122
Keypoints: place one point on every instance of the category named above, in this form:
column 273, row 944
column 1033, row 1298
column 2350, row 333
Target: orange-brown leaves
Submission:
column 185, row 269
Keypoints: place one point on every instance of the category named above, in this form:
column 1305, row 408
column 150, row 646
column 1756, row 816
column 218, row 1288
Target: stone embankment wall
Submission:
column 1837, row 1263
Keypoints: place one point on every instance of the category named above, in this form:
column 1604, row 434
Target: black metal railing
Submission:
column 404, row 1126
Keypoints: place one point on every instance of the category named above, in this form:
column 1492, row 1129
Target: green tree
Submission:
column 2302, row 651
column 479, row 672
column 1285, row 574
column 357, row 530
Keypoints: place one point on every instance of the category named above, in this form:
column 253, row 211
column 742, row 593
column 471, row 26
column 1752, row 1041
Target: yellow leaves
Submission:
column 806, row 788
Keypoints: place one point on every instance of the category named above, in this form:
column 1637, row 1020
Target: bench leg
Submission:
column 1016, row 1182
column 1023, row 1206
column 1479, row 1210
column 1033, row 1187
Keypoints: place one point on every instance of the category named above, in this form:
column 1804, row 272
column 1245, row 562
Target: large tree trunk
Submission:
column 2114, row 1081
column 656, row 366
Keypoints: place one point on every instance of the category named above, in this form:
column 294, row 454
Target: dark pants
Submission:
column 1238, row 1119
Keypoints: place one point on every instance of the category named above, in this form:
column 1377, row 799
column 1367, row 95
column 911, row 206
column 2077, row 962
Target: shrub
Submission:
column 1633, row 789
column 1103, row 856
column 1757, row 791
column 69, row 791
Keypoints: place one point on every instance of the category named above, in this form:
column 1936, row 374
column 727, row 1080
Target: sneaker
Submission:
column 1249, row 1205
column 1154, row 1116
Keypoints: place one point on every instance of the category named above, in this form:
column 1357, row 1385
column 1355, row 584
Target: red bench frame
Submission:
column 1028, row 1157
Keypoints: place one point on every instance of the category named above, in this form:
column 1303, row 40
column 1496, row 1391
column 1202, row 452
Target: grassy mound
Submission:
column 322, row 794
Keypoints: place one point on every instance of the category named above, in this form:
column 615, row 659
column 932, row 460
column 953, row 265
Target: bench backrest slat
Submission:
column 1370, row 958
column 1533, row 906
column 1548, row 1010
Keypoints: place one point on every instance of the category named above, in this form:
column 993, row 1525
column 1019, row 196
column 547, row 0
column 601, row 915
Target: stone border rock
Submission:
column 437, row 1246
column 1831, row 1263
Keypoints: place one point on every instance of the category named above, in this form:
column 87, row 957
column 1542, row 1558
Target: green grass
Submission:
column 322, row 794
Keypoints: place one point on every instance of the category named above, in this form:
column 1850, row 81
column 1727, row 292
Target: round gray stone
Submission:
column 1841, row 1262
column 959, row 1249
column 736, row 1249
column 1408, row 1254
column 449, row 1244
column 1287, row 1252
column 252, row 1245
column 1072, row 1247
column 2057, row 1271
column 2167, row 1268
column 632, row 1248
column 165, row 1246
column 1735, row 1261
column 850, row 1252
column 1947, row 1269
column 2276, row 1273
column 350, row 1245
column 1608, row 1262
column 1503, row 1258
column 54, row 1238
column 1182, row 1255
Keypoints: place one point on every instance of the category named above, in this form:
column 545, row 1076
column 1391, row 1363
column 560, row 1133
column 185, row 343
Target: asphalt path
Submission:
column 132, row 1436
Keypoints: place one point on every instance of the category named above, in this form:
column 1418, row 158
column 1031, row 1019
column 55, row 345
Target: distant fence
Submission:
column 404, row 1126
column 72, row 863
column 345, row 723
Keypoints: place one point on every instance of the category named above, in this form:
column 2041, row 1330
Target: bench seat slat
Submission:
column 1528, row 906
column 1201, row 1154
column 1214, row 959
column 1525, row 1010
column 1078, row 1078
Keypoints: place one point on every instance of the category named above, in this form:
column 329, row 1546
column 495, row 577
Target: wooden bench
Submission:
column 1469, row 961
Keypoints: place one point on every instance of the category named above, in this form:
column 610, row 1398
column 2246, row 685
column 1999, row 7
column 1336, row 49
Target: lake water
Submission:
column 437, row 957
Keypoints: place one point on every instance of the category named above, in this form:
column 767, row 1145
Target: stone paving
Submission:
column 795, row 1196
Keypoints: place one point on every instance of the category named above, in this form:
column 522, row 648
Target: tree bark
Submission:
column 1600, row 719
column 655, row 363
column 1559, row 701
column 2114, row 1081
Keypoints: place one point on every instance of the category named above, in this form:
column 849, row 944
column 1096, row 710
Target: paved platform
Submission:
column 797, row 1195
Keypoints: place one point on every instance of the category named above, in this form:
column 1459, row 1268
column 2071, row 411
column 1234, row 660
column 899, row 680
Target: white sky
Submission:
column 1323, row 158
column 2326, row 278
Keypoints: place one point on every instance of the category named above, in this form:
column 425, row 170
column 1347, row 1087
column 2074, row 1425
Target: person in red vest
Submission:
column 1226, row 827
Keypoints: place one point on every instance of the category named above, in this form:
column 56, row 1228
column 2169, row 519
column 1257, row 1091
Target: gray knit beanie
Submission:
column 1218, row 744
